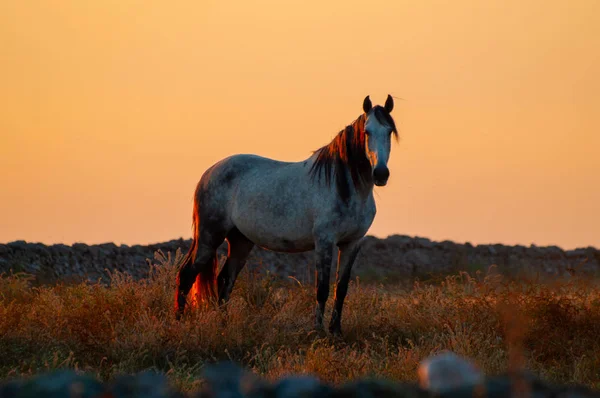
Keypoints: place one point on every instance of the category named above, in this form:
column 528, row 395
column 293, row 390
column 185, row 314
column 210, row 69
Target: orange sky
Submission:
column 111, row 110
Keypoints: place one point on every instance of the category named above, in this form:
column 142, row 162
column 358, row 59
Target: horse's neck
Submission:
column 362, row 194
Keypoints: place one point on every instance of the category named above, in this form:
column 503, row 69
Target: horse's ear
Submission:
column 389, row 104
column 367, row 105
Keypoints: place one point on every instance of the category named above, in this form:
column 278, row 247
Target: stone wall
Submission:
column 394, row 257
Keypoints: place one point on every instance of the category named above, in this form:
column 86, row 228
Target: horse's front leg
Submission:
column 324, row 253
column 347, row 256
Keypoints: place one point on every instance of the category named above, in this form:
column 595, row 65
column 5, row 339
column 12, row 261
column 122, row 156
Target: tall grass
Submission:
column 552, row 329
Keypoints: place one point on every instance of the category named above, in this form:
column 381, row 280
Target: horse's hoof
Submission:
column 178, row 315
column 337, row 334
column 318, row 330
column 336, row 331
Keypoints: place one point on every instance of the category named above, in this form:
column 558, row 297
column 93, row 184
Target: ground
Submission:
column 551, row 328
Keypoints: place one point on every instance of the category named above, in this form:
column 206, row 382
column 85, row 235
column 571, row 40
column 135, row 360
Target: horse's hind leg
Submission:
column 203, row 266
column 239, row 249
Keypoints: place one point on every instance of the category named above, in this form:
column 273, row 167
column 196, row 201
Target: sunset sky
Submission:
column 111, row 110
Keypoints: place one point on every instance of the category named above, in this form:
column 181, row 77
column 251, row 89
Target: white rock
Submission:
column 446, row 371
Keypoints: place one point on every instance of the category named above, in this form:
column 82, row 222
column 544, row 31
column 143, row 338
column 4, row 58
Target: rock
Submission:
column 554, row 252
column 418, row 258
column 446, row 371
column 18, row 244
column 109, row 246
column 424, row 242
column 61, row 384
column 379, row 388
column 521, row 384
column 10, row 389
column 448, row 246
column 143, row 385
column 81, row 247
column 397, row 240
column 576, row 253
column 300, row 387
column 4, row 250
column 228, row 380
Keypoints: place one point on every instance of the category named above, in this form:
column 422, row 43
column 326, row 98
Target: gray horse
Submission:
column 315, row 204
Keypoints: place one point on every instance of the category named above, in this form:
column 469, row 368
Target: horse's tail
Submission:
column 190, row 257
column 205, row 285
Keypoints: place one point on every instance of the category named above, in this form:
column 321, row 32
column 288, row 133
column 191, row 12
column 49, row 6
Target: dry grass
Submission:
column 553, row 329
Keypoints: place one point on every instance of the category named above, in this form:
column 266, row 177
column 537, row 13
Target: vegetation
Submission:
column 550, row 328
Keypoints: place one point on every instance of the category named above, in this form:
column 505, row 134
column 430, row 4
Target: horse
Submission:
column 315, row 204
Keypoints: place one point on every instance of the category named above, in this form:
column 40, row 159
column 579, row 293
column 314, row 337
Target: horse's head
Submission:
column 379, row 127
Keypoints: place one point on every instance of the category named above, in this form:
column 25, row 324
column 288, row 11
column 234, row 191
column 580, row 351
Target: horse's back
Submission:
column 269, row 201
column 223, row 178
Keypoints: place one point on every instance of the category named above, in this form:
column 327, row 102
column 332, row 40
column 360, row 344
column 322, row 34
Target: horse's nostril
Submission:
column 381, row 173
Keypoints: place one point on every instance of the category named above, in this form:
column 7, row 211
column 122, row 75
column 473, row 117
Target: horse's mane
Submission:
column 347, row 152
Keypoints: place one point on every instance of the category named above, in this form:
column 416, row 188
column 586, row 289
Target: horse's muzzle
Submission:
column 381, row 175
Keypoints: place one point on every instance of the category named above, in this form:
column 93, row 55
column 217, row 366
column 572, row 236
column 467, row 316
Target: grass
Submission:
column 551, row 328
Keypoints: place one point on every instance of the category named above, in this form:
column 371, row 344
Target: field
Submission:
column 550, row 328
